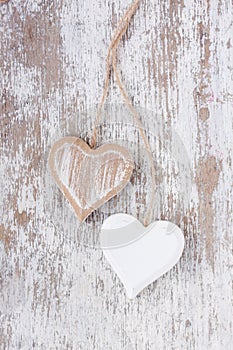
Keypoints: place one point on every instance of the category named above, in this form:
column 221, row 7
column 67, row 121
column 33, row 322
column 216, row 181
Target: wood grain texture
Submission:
column 176, row 59
column 89, row 177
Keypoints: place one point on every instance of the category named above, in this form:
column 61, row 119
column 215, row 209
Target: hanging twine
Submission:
column 111, row 61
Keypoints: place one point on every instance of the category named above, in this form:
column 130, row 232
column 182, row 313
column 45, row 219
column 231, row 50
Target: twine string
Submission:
column 118, row 33
column 111, row 61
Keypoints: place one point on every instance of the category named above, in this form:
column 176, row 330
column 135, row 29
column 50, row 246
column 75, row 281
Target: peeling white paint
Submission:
column 54, row 292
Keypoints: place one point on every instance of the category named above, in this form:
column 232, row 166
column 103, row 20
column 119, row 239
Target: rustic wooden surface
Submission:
column 176, row 60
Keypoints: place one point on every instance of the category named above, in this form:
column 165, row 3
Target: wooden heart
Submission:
column 140, row 255
column 89, row 177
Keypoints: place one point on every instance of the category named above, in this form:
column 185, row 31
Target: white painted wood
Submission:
column 140, row 255
column 176, row 61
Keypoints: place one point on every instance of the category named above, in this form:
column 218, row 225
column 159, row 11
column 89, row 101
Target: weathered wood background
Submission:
column 176, row 60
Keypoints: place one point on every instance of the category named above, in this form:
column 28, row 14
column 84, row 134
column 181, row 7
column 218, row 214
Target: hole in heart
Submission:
column 173, row 174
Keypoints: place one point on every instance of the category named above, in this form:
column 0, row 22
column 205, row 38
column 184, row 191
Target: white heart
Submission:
column 138, row 254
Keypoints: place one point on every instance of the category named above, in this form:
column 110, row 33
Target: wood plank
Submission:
column 175, row 62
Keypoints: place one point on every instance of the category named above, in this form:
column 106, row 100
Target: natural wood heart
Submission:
column 89, row 177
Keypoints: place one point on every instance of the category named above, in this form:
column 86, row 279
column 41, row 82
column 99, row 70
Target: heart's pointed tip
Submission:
column 131, row 293
column 81, row 220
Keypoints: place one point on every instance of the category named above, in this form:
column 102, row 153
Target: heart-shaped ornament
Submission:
column 138, row 254
column 89, row 177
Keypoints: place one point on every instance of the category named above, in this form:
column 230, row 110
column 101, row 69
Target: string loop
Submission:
column 111, row 61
